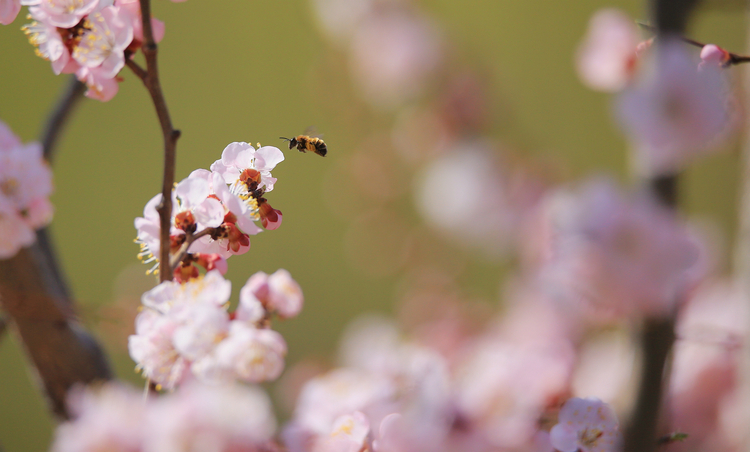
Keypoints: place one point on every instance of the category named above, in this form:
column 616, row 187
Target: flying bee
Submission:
column 306, row 143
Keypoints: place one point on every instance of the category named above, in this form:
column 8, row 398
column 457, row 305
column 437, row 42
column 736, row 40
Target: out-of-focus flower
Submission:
column 278, row 293
column 712, row 330
column 586, row 425
column 617, row 255
column 606, row 59
column 25, row 187
column 224, row 418
column 475, row 200
column 340, row 18
column 673, row 112
column 393, row 57
column 349, row 434
column 108, row 418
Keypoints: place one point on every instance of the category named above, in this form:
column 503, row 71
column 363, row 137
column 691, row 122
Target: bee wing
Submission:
column 312, row 131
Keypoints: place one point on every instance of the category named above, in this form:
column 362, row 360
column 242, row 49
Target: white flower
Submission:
column 254, row 354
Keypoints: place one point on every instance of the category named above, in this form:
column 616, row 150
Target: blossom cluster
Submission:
column 185, row 331
column 199, row 417
column 89, row 38
column 25, row 187
column 673, row 105
column 214, row 211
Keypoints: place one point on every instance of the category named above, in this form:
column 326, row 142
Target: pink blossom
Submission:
column 255, row 355
column 586, row 425
column 349, row 434
column 48, row 42
column 278, row 293
column 151, row 347
column 25, row 187
column 9, row 10
column 193, row 197
column 239, row 156
column 107, row 418
column 617, row 255
column 714, row 55
column 66, row 13
column 101, row 50
column 394, row 57
column 14, row 232
column 673, row 112
column 606, row 58
column 133, row 7
column 340, row 18
column 221, row 418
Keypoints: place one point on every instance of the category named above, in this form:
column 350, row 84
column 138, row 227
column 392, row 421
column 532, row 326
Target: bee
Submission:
column 306, row 143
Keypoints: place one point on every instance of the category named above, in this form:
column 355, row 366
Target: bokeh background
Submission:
column 254, row 71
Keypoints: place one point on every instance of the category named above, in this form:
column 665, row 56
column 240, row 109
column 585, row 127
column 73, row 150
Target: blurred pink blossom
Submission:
column 613, row 254
column 394, row 57
column 25, row 187
column 674, row 113
column 606, row 58
column 586, row 425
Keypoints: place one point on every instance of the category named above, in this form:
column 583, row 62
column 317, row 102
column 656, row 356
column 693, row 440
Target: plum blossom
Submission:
column 25, row 187
column 255, row 355
column 714, row 55
column 673, row 112
column 586, row 425
column 617, row 255
column 9, row 10
column 278, row 293
column 49, row 42
column 239, row 157
column 100, row 50
column 606, row 59
column 197, row 417
column 108, row 418
column 65, row 13
column 186, row 331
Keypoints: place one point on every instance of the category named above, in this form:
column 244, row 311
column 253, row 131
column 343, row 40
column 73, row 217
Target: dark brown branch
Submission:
column 136, row 68
column 34, row 294
column 734, row 58
column 60, row 115
column 182, row 252
column 151, row 81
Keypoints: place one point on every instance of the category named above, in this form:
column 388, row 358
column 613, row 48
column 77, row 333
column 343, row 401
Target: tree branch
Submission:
column 151, row 81
column 734, row 58
column 35, row 296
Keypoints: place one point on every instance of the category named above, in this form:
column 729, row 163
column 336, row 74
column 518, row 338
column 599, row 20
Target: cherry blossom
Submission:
column 672, row 112
column 239, row 157
column 606, row 59
column 254, row 355
column 586, row 425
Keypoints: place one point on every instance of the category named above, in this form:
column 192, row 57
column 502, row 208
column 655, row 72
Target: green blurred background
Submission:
column 254, row 71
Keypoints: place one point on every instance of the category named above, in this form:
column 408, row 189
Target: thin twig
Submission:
column 734, row 58
column 182, row 252
column 60, row 115
column 136, row 68
column 151, row 81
